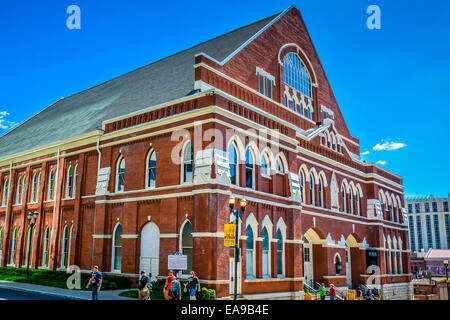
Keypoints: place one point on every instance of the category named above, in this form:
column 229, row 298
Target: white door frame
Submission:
column 348, row 266
column 232, row 279
column 308, row 267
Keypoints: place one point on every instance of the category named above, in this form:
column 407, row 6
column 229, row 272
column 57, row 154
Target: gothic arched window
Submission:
column 295, row 74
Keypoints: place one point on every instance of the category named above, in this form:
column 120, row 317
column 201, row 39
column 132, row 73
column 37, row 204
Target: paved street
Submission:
column 8, row 294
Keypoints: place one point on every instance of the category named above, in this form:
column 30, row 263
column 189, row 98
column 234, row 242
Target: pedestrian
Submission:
column 168, row 283
column 145, row 286
column 175, row 289
column 193, row 285
column 369, row 294
column 96, row 282
column 332, row 292
column 322, row 291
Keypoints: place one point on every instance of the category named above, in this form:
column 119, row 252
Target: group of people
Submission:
column 172, row 286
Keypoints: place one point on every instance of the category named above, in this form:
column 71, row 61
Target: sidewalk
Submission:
column 67, row 293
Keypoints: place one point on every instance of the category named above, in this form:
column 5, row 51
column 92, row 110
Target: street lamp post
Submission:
column 237, row 214
column 32, row 218
column 446, row 278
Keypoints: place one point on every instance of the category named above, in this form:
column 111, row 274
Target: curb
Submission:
column 42, row 292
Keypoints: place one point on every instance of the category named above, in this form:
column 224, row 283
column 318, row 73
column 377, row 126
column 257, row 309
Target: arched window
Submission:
column 38, row 186
column 233, row 162
column 280, row 254
column 117, row 249
column 279, row 166
column 294, row 105
column 187, row 245
column 309, row 114
column 51, row 186
column 188, row 164
column 69, row 184
column 151, row 170
column 302, row 185
column 301, row 106
column 250, row 251
column 13, row 246
column 265, row 253
column 249, row 169
column 311, row 190
column 358, row 203
column 344, row 199
column 65, row 247
column 321, row 193
column 5, row 193
column 19, row 191
column 285, row 100
column 45, row 248
column 295, row 74
column 351, row 200
column 1, row 241
column 265, row 165
column 120, row 175
column 33, row 188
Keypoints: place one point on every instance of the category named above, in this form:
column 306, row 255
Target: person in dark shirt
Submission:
column 193, row 284
column 96, row 282
column 144, row 286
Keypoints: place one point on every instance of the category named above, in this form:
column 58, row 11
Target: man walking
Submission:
column 145, row 286
column 96, row 282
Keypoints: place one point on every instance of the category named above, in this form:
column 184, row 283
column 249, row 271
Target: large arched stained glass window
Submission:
column 295, row 74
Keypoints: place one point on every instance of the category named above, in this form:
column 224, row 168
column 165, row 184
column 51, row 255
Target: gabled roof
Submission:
column 161, row 81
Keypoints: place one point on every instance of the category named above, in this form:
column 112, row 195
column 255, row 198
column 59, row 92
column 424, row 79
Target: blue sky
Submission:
column 392, row 84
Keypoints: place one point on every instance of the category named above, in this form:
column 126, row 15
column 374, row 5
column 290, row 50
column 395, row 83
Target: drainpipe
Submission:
column 54, row 206
column 95, row 211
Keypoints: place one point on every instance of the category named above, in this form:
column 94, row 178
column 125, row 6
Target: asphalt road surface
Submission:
column 9, row 294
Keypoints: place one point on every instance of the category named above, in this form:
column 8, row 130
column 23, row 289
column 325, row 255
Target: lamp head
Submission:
column 243, row 204
column 232, row 202
column 446, row 262
column 29, row 216
column 35, row 215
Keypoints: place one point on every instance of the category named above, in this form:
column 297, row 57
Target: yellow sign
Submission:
column 351, row 294
column 230, row 235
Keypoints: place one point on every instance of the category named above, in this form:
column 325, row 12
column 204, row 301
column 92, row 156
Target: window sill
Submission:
column 266, row 176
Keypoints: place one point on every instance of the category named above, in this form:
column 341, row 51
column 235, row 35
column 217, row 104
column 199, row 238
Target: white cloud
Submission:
column 4, row 124
column 365, row 153
column 388, row 145
column 381, row 162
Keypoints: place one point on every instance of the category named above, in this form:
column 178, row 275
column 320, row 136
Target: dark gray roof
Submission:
column 161, row 81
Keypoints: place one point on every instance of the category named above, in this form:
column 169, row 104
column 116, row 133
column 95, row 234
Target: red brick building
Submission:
column 127, row 172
